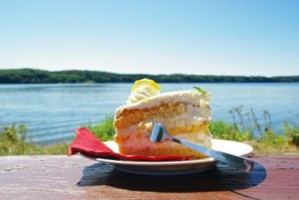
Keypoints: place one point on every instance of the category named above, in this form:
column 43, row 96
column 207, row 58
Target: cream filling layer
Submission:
column 197, row 138
column 193, row 115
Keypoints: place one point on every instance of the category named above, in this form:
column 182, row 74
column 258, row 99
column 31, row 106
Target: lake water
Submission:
column 52, row 111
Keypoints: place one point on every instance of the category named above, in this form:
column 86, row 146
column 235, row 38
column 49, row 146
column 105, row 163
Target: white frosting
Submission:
column 185, row 96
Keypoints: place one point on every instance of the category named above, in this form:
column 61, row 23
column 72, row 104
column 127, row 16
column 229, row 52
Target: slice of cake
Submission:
column 185, row 115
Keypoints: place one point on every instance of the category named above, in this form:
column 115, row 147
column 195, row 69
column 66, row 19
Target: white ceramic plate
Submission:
column 177, row 167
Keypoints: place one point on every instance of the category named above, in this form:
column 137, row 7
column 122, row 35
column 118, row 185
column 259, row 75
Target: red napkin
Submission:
column 89, row 145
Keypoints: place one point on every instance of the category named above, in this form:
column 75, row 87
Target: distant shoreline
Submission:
column 21, row 76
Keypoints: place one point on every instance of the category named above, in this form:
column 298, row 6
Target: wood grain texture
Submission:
column 62, row 177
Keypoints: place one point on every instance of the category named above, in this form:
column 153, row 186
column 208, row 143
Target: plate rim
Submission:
column 170, row 163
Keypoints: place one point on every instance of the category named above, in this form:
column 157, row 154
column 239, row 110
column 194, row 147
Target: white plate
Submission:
column 176, row 167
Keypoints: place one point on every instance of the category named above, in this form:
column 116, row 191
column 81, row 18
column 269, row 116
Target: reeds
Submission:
column 259, row 133
column 248, row 122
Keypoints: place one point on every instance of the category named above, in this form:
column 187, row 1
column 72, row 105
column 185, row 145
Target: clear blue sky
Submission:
column 255, row 37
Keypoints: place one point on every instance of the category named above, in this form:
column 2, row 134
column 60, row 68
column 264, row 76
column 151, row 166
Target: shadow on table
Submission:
column 219, row 178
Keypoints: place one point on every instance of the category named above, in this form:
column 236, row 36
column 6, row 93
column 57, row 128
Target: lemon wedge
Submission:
column 145, row 83
column 143, row 89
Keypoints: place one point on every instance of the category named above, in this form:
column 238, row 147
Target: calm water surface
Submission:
column 52, row 111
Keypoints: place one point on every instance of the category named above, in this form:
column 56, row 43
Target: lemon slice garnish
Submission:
column 143, row 89
column 145, row 83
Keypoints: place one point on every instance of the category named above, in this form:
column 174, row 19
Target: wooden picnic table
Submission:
column 62, row 177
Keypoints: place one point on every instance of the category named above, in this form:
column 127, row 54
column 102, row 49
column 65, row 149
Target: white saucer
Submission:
column 177, row 167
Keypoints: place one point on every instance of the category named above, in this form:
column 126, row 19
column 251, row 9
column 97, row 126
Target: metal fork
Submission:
column 160, row 134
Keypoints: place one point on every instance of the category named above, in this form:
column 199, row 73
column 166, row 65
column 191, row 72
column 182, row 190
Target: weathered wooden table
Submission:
column 62, row 177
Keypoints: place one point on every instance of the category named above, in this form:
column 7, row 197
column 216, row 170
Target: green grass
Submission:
column 104, row 130
column 266, row 142
column 13, row 142
column 13, row 138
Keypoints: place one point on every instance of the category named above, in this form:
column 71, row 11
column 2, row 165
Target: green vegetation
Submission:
column 12, row 142
column 104, row 130
column 200, row 90
column 247, row 128
column 12, row 139
column 77, row 76
column 267, row 142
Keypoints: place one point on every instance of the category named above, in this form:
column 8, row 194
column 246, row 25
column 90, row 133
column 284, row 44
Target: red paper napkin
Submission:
column 89, row 145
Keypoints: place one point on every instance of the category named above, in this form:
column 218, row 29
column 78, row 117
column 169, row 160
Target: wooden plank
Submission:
column 61, row 177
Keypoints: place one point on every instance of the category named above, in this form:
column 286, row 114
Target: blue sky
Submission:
column 255, row 37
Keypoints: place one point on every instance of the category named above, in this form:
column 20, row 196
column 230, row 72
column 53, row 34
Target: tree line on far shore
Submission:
column 86, row 76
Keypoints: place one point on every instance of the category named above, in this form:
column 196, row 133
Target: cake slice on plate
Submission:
column 185, row 114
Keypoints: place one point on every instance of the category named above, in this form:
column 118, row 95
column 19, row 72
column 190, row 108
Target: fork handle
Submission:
column 232, row 160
